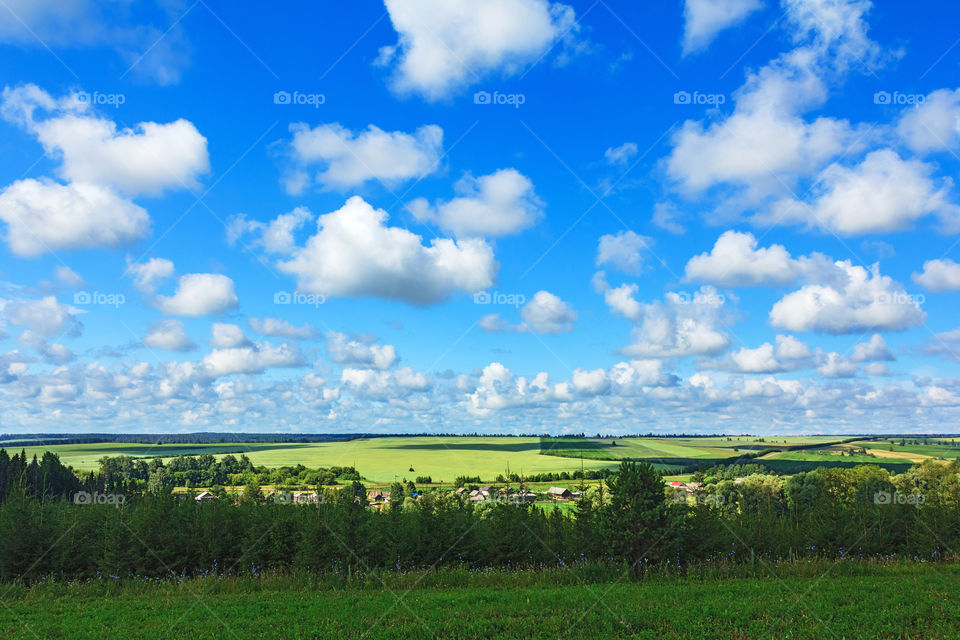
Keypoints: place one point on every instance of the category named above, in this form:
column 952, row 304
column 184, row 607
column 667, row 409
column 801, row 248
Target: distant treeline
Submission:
column 125, row 473
column 631, row 521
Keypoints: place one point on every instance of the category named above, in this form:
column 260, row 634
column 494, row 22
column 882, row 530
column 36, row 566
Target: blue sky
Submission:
column 509, row 216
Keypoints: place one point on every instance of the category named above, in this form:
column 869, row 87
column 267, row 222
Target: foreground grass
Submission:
column 899, row 601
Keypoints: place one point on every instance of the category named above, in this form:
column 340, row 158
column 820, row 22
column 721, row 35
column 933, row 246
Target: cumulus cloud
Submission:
column 939, row 275
column 836, row 366
column 145, row 159
column 934, row 124
column 382, row 385
column 355, row 254
column 276, row 236
column 624, row 250
column 169, row 335
column 360, row 351
column 735, row 261
column 681, row 325
column 622, row 301
column 281, row 328
column 40, row 318
column 251, row 359
column 547, row 313
column 704, row 19
column 199, row 294
column 873, row 350
column 349, row 159
column 765, row 145
column 146, row 275
column 446, row 44
column 497, row 204
column 42, row 216
column 227, row 336
column 789, row 354
column 866, row 301
column 883, row 193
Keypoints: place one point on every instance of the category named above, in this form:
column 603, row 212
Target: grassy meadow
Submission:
column 785, row 601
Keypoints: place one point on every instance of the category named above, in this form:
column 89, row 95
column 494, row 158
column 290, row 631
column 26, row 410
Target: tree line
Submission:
column 631, row 520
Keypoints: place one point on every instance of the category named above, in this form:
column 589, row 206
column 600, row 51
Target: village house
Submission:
column 305, row 497
column 559, row 493
column 205, row 496
column 377, row 497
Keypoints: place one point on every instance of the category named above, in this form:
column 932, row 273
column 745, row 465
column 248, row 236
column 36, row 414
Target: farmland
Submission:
column 386, row 459
column 805, row 601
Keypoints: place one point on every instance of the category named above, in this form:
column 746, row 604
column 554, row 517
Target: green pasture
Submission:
column 378, row 459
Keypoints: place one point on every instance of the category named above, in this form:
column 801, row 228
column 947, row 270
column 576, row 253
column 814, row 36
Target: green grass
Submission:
column 578, row 448
column 899, row 601
column 948, row 451
column 378, row 459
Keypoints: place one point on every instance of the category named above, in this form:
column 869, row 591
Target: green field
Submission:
column 377, row 459
column 444, row 458
column 828, row 601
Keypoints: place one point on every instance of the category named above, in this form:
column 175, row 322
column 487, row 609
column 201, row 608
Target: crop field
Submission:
column 377, row 459
column 913, row 601
column 444, row 458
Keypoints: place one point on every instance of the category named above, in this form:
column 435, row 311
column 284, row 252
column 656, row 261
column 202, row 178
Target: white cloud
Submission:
column 836, row 366
column 872, row 351
column 939, row 275
column 704, row 19
column 593, row 382
column 227, row 336
column 789, row 347
column 681, row 325
column 381, row 385
column 354, row 254
column 169, row 335
column 253, row 359
column 360, row 351
column 622, row 154
column 625, row 250
column 42, row 215
column 145, row 159
column 547, row 313
column 497, row 204
column 58, row 354
column 275, row 236
column 866, row 301
column 735, row 261
column 493, row 323
column 146, row 275
column 876, row 369
column 349, row 159
column 68, row 276
column 933, row 125
column 44, row 318
column 70, row 24
column 199, row 294
column 765, row 145
column 621, row 299
column 883, row 193
column 446, row 44
column 789, row 354
column 281, row 328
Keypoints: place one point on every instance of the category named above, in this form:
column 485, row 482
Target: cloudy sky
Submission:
column 515, row 216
